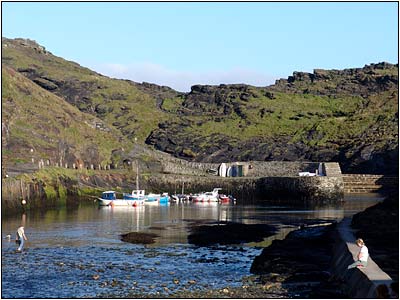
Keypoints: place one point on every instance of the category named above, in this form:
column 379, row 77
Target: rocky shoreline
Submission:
column 295, row 267
column 299, row 265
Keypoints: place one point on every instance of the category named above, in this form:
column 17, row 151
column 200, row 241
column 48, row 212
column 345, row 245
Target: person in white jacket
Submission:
column 20, row 238
column 362, row 256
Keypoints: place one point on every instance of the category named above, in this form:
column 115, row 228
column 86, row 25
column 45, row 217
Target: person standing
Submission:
column 21, row 238
column 362, row 256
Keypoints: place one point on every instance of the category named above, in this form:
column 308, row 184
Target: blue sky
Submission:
column 182, row 44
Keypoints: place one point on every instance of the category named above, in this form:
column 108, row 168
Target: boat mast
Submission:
column 137, row 175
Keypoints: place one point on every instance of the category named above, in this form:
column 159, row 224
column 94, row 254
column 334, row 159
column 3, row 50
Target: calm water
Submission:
column 77, row 252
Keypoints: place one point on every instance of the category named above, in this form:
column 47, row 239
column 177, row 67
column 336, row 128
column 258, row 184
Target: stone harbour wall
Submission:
column 13, row 191
column 319, row 188
column 316, row 188
column 369, row 282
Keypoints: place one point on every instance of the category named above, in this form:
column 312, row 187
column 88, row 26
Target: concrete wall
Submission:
column 369, row 282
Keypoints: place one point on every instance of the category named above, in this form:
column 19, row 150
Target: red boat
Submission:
column 224, row 198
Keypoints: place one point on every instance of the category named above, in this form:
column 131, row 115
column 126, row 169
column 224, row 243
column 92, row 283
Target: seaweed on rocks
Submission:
column 227, row 233
column 139, row 238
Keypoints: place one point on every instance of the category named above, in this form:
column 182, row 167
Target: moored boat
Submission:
column 156, row 198
column 224, row 199
column 207, row 196
column 109, row 198
column 137, row 196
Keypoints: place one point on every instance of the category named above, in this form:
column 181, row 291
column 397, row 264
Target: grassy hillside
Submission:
column 117, row 102
column 38, row 124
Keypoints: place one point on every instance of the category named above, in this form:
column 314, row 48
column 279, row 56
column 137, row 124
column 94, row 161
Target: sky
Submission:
column 180, row 44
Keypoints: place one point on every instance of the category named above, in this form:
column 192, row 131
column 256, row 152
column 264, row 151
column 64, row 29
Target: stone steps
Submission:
column 365, row 183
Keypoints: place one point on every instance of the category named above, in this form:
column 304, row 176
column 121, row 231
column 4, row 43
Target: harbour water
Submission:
column 77, row 251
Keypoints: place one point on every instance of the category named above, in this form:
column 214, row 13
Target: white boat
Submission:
column 208, row 196
column 109, row 198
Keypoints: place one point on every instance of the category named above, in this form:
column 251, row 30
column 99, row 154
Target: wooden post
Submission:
column 22, row 191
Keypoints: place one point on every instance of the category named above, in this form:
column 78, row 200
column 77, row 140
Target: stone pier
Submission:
column 369, row 282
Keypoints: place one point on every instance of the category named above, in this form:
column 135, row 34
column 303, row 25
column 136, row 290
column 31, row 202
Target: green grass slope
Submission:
column 38, row 124
column 119, row 103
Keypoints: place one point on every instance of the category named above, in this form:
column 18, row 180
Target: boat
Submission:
column 135, row 198
column 226, row 199
column 223, row 198
column 207, row 196
column 156, row 198
column 179, row 198
column 109, row 198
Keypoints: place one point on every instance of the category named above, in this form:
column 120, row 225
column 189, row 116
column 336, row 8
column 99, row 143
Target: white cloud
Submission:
column 183, row 80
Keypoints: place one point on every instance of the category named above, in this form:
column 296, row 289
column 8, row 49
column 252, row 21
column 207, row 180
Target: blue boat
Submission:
column 156, row 198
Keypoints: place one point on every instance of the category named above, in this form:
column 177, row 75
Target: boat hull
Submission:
column 205, row 199
column 120, row 202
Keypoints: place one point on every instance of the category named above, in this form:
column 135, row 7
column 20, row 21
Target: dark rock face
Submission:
column 357, row 81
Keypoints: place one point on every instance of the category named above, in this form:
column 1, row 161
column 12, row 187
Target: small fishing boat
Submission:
column 179, row 198
column 109, row 198
column 226, row 199
column 156, row 198
column 207, row 196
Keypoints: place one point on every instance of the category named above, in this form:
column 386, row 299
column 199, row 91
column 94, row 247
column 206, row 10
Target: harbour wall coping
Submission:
column 252, row 168
column 369, row 282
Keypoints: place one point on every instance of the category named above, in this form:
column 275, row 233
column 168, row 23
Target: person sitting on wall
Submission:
column 362, row 256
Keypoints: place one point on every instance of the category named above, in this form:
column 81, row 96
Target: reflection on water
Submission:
column 86, row 223
column 86, row 239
